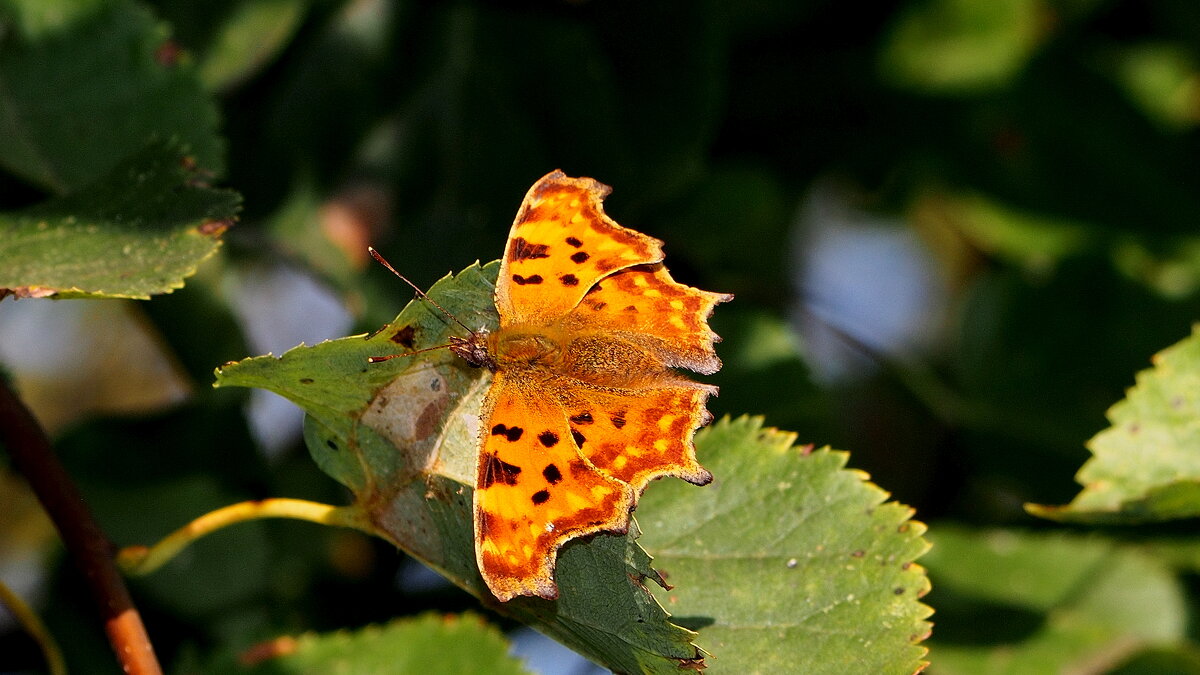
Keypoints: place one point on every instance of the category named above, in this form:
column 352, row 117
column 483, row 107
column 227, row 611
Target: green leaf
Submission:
column 254, row 33
column 788, row 562
column 962, row 45
column 402, row 435
column 1013, row 603
column 139, row 231
column 1145, row 466
column 1034, row 241
column 1161, row 79
column 68, row 114
column 427, row 645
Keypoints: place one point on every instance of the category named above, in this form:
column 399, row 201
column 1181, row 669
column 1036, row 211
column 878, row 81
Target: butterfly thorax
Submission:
column 525, row 347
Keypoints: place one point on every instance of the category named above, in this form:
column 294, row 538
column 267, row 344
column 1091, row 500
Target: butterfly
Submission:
column 585, row 406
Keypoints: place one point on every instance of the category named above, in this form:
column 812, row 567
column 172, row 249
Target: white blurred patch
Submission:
column 864, row 281
column 544, row 656
column 414, row 577
column 278, row 308
column 71, row 359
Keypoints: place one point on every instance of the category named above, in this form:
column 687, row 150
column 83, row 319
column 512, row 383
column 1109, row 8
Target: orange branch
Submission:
column 87, row 544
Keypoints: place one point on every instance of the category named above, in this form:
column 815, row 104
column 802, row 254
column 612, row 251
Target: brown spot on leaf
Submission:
column 212, row 228
column 168, row 54
column 405, row 336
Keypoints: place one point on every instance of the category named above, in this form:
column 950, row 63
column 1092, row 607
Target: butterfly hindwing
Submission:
column 534, row 491
column 636, row 436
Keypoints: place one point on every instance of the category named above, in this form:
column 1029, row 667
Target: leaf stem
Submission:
column 141, row 560
column 29, row 620
column 87, row 544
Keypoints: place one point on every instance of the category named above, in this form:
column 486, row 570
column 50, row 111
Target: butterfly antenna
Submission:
column 389, row 357
column 380, row 259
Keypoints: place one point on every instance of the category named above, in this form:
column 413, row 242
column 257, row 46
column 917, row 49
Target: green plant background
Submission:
column 1042, row 151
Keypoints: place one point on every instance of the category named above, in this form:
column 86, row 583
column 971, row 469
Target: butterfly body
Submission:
column 585, row 407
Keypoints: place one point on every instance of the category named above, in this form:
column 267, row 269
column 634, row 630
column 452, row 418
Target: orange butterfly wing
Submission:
column 591, row 325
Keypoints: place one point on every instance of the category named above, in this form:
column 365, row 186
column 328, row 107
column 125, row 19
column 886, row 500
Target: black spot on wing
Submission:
column 580, row 439
column 582, row 418
column 521, row 281
column 569, row 280
column 579, row 257
column 548, row 438
column 496, row 470
column 523, row 250
column 541, row 497
column 551, row 474
column 574, row 242
column 513, row 434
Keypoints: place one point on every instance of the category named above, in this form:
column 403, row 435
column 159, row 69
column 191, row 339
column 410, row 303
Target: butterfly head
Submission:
column 474, row 350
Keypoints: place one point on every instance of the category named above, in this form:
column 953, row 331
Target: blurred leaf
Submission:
column 253, row 33
column 402, row 435
column 1170, row 267
column 426, row 645
column 1034, row 241
column 1163, row 80
column 1159, row 660
column 68, row 114
column 137, row 232
column 789, row 562
column 963, row 45
column 1145, row 467
column 1017, row 603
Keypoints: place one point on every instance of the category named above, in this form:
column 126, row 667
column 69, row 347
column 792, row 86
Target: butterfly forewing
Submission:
column 560, row 245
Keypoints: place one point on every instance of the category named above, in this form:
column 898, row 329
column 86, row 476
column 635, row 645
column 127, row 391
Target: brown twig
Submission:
column 30, row 450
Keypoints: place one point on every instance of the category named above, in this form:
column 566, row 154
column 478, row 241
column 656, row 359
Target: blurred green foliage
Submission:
column 1044, row 150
